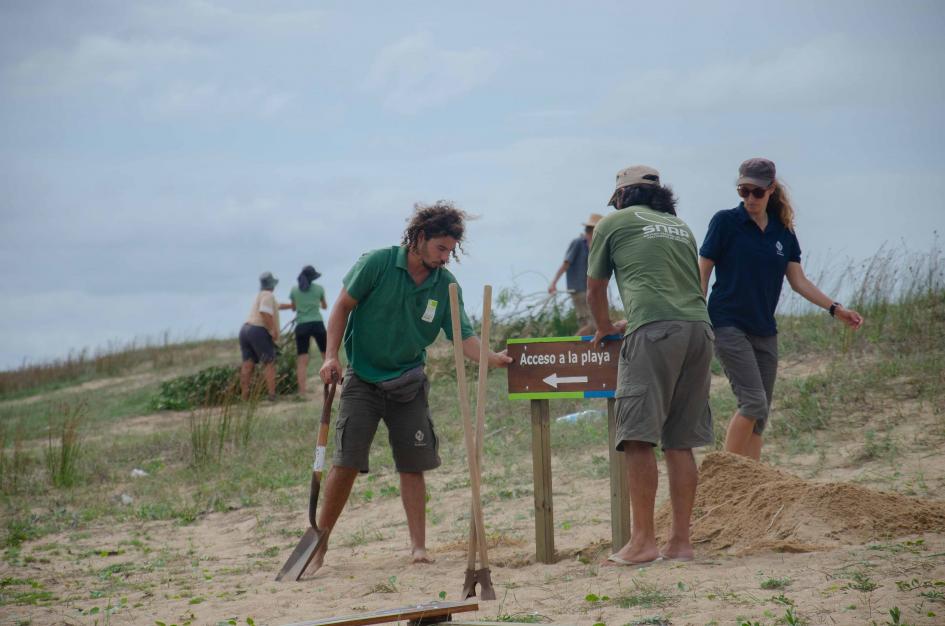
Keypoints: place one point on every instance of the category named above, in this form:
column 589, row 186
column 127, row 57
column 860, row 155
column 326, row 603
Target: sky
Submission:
column 156, row 157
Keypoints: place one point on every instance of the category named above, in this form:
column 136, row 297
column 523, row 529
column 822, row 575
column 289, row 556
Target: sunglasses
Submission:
column 758, row 192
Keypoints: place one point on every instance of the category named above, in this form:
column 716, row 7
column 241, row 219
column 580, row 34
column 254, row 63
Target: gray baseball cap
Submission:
column 267, row 280
column 756, row 171
column 634, row 175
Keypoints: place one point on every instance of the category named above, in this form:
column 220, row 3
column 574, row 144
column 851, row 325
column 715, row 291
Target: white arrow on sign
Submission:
column 554, row 379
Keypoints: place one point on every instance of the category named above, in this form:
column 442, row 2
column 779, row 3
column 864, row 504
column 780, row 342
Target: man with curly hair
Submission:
column 663, row 371
column 394, row 303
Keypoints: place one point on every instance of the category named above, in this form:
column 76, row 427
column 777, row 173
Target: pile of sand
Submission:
column 744, row 506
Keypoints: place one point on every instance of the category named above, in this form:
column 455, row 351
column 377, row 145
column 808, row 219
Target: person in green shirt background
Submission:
column 394, row 303
column 305, row 300
column 663, row 371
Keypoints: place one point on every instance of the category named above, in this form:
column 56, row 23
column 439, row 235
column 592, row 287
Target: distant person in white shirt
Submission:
column 258, row 337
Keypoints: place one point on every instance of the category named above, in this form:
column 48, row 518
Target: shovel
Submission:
column 302, row 555
column 477, row 537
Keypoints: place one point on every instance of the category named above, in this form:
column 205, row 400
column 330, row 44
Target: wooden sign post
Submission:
column 567, row 367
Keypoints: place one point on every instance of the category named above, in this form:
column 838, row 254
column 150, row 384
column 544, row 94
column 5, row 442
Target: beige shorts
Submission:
column 663, row 385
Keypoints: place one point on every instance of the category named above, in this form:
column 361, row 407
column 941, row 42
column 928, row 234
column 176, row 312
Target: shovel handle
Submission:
column 319, row 462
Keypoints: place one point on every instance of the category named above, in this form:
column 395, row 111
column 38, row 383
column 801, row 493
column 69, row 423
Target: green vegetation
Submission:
column 62, row 457
column 217, row 385
column 860, row 581
column 645, row 595
column 775, row 583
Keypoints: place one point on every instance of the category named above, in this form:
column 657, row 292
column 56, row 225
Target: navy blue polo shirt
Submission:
column 749, row 269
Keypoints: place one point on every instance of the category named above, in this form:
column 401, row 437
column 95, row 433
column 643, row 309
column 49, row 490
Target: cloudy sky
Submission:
column 155, row 157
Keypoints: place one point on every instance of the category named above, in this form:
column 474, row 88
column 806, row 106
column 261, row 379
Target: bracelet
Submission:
column 833, row 308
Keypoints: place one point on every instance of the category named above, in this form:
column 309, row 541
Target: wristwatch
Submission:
column 833, row 308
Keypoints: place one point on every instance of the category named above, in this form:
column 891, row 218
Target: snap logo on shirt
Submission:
column 664, row 226
column 780, row 248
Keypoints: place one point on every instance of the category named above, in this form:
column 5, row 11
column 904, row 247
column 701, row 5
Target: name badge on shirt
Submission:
column 430, row 312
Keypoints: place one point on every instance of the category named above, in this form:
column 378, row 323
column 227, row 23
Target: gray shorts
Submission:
column 751, row 365
column 409, row 427
column 663, row 385
column 256, row 344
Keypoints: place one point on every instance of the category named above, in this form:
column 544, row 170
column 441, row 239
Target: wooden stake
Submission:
column 463, row 390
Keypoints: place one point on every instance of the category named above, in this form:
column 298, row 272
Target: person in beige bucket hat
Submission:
column 575, row 266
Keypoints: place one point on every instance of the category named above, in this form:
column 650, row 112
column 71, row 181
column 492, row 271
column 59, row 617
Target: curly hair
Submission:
column 440, row 219
column 780, row 207
column 657, row 198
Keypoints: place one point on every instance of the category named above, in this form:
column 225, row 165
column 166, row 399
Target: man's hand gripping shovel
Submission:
column 477, row 534
column 302, row 556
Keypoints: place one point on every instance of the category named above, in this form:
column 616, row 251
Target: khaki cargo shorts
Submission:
column 663, row 385
column 409, row 426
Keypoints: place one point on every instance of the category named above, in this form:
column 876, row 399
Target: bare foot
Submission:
column 677, row 551
column 419, row 555
column 318, row 559
column 632, row 554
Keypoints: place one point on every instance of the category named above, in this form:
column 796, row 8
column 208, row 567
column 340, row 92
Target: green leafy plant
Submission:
column 775, row 583
column 595, row 599
column 859, row 581
column 644, row 595
column 213, row 386
column 791, row 618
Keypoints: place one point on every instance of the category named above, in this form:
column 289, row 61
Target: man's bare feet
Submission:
column 633, row 554
column 419, row 555
column 677, row 551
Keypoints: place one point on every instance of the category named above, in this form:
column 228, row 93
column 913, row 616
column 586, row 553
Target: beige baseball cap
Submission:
column 634, row 175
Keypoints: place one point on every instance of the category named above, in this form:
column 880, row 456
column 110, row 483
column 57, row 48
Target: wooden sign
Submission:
column 562, row 367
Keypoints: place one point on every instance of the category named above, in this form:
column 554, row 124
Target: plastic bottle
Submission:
column 586, row 414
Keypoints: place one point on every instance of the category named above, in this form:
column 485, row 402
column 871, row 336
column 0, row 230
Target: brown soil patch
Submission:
column 743, row 506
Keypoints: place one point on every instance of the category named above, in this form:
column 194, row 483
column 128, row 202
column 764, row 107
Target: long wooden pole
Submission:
column 481, row 409
column 463, row 390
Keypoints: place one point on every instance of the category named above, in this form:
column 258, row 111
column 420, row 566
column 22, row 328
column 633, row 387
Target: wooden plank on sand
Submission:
column 407, row 613
column 465, row 623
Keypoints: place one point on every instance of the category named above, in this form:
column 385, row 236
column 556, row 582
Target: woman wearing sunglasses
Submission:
column 752, row 248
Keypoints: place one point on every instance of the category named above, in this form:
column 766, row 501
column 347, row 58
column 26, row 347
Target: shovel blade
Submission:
column 302, row 555
column 482, row 577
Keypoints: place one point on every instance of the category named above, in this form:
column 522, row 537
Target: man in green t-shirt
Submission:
column 663, row 371
column 394, row 303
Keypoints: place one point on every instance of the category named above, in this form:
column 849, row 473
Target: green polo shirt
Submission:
column 395, row 319
column 307, row 303
column 653, row 255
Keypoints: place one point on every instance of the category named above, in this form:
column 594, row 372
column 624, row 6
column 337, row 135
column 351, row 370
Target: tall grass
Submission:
column 899, row 292
column 899, row 351
column 15, row 465
column 229, row 425
column 64, row 446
